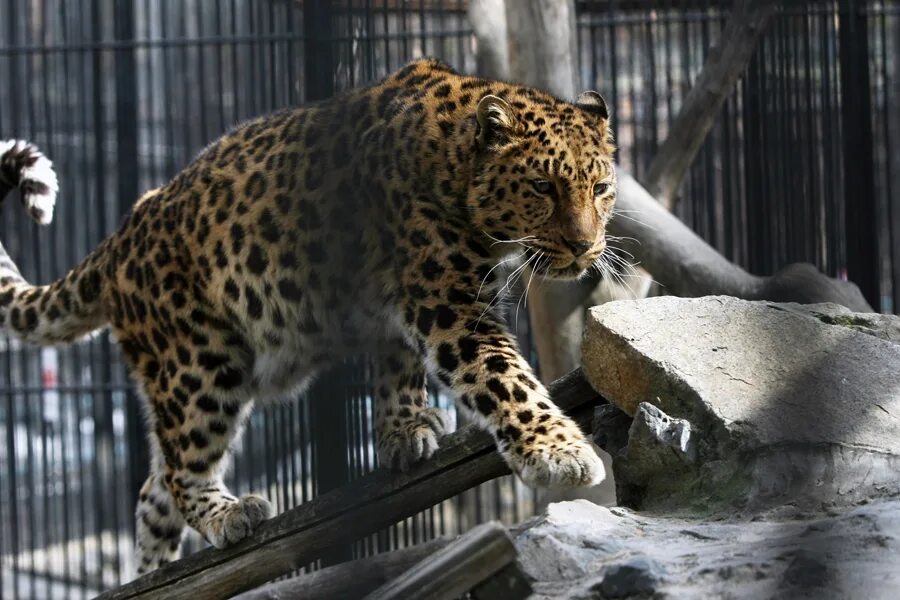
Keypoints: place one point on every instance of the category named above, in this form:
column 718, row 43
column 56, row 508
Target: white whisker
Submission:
column 520, row 241
column 527, row 286
column 613, row 249
column 638, row 221
column 524, row 252
column 622, row 238
column 505, row 289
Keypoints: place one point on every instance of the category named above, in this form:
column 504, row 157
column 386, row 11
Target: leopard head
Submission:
column 544, row 184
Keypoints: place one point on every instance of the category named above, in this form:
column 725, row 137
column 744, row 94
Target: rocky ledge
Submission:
column 581, row 551
column 755, row 449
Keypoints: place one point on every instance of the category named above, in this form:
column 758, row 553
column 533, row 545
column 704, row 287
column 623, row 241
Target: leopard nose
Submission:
column 579, row 247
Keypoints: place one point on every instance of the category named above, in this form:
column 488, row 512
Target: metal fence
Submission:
column 122, row 94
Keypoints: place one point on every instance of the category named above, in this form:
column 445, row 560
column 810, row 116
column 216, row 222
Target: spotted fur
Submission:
column 372, row 222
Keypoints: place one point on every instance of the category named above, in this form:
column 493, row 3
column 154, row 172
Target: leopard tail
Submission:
column 68, row 308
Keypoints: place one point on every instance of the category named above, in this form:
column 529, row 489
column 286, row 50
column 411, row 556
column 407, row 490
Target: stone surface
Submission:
column 777, row 402
column 579, row 550
column 666, row 437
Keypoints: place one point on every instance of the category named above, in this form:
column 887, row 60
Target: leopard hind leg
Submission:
column 160, row 524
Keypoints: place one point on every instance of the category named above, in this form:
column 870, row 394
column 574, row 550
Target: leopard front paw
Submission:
column 404, row 441
column 236, row 520
column 554, row 459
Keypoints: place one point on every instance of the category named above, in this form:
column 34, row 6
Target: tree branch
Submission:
column 685, row 265
column 724, row 65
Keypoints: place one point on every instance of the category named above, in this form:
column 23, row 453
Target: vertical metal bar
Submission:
column 752, row 118
column 318, row 55
column 60, row 457
column 813, row 193
column 80, row 240
column 651, row 77
column 102, row 402
column 11, row 399
column 856, row 114
column 386, row 24
column 779, row 207
column 875, row 14
column 127, row 174
column 329, row 408
column 890, row 30
column 404, row 14
column 184, row 77
column 830, row 123
column 423, row 28
column 12, row 476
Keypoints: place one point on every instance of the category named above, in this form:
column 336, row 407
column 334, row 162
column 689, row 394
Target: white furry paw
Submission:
column 237, row 520
column 402, row 442
column 573, row 465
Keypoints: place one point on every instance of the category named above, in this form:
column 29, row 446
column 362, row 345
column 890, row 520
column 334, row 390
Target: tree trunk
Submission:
column 542, row 52
column 538, row 39
column 488, row 19
column 542, row 38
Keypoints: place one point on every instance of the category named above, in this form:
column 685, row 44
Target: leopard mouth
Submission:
column 572, row 270
column 565, row 265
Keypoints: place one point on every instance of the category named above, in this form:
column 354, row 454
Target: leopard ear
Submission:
column 593, row 103
column 497, row 121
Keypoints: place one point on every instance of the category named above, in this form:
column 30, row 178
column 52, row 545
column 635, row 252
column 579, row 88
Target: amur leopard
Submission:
column 373, row 222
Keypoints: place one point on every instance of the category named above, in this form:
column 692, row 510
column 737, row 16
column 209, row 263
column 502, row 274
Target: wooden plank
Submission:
column 351, row 580
column 296, row 537
column 451, row 572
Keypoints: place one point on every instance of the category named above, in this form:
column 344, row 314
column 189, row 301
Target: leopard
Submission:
column 380, row 222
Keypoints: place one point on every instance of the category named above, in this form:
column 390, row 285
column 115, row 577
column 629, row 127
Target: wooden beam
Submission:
column 452, row 571
column 299, row 536
column 725, row 63
column 350, row 580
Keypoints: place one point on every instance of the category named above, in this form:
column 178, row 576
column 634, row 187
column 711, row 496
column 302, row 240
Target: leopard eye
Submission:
column 600, row 188
column 542, row 186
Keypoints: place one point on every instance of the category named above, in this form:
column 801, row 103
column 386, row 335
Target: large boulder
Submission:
column 732, row 403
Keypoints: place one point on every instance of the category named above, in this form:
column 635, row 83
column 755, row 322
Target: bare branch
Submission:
column 724, row 65
column 685, row 265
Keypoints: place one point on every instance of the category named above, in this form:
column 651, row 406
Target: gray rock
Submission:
column 886, row 327
column 617, row 553
column 572, row 536
column 637, row 577
column 786, row 403
column 653, row 429
column 660, row 450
